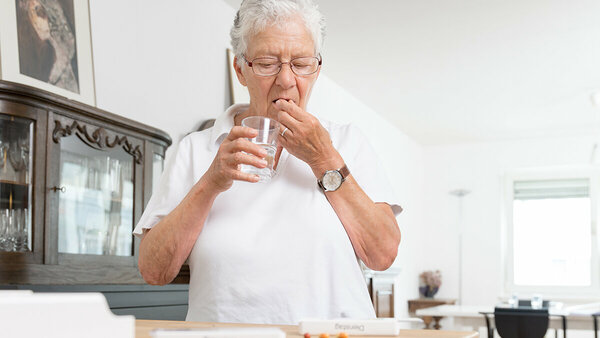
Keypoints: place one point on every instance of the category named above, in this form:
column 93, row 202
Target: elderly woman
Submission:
column 288, row 249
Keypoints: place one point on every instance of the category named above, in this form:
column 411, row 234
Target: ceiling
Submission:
column 461, row 71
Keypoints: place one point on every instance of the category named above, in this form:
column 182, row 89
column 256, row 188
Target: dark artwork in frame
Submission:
column 47, row 42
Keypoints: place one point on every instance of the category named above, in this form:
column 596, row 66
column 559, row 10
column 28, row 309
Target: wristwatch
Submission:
column 332, row 179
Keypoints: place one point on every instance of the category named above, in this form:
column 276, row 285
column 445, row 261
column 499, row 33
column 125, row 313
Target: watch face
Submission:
column 332, row 180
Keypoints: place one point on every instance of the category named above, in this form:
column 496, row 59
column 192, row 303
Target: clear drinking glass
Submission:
column 22, row 229
column 4, row 242
column 536, row 301
column 268, row 130
column 12, row 231
column 513, row 301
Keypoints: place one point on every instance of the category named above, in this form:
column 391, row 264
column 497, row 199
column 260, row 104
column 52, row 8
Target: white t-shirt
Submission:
column 273, row 252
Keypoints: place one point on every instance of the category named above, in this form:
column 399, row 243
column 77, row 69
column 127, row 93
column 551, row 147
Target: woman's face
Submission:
column 39, row 19
column 285, row 43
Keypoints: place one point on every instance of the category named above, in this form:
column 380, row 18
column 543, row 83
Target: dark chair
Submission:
column 595, row 316
column 526, row 303
column 520, row 322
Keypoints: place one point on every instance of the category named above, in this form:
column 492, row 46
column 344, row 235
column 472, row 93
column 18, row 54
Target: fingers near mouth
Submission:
column 285, row 100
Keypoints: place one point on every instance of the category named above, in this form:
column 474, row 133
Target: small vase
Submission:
column 428, row 291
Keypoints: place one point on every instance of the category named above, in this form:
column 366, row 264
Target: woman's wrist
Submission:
column 332, row 161
column 206, row 189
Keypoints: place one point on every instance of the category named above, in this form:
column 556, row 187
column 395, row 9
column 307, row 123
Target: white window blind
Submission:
column 564, row 188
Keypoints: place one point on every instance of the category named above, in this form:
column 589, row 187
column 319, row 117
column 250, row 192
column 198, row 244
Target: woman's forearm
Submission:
column 371, row 227
column 165, row 247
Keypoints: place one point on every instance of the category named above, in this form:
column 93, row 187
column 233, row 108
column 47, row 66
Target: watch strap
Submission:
column 344, row 171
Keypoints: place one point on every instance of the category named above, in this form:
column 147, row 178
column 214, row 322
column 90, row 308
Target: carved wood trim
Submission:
column 99, row 138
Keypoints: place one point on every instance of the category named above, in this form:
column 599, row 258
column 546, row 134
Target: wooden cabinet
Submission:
column 74, row 180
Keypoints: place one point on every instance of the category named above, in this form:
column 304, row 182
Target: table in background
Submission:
column 423, row 303
column 143, row 328
column 470, row 316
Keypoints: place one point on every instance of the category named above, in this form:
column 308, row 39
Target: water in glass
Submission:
column 264, row 174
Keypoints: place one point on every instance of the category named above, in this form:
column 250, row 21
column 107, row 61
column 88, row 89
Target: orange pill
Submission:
column 343, row 335
column 324, row 335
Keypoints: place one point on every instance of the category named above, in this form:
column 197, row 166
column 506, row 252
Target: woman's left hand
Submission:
column 371, row 227
column 306, row 138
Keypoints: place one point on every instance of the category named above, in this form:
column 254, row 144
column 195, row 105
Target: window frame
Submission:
column 592, row 173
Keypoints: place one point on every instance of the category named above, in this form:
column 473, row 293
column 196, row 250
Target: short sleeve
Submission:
column 364, row 165
column 175, row 183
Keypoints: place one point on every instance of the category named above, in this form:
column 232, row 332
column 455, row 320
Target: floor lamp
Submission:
column 595, row 97
column 460, row 193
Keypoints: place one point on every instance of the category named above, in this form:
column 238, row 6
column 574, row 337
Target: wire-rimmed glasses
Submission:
column 269, row 66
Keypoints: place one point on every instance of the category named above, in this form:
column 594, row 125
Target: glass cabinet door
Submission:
column 157, row 169
column 154, row 168
column 74, row 180
column 95, row 214
column 16, row 149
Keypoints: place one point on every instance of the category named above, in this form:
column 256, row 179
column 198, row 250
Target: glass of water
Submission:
column 268, row 130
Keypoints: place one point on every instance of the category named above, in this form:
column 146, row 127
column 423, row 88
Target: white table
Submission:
column 470, row 316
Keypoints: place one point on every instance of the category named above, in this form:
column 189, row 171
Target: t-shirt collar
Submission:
column 223, row 124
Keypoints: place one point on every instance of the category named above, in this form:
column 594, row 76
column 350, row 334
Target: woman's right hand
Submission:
column 235, row 150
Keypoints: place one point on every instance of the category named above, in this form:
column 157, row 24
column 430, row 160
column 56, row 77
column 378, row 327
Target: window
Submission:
column 551, row 241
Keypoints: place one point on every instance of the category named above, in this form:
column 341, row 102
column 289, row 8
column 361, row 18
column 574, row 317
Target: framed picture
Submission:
column 239, row 93
column 47, row 44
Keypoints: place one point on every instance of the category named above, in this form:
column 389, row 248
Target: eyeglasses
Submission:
column 269, row 66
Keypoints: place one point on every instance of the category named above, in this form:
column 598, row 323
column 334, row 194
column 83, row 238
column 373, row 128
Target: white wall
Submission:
column 164, row 64
column 403, row 161
column 480, row 168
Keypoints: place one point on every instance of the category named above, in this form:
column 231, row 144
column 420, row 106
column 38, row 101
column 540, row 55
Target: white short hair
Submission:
column 255, row 15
